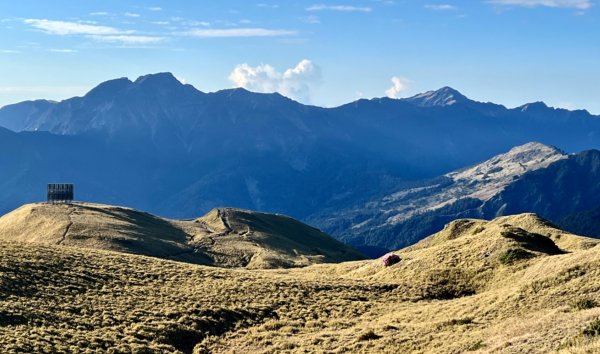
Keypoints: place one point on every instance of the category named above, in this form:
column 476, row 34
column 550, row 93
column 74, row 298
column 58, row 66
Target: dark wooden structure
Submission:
column 60, row 192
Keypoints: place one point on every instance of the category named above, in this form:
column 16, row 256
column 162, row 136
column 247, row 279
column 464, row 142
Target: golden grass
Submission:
column 223, row 237
column 449, row 294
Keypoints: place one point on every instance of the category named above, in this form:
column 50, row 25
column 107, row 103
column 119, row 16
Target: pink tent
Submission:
column 390, row 259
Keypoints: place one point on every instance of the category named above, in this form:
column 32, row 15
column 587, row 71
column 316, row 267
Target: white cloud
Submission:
column 57, row 50
column 441, row 7
column 131, row 14
column 155, row 8
column 399, row 87
column 238, row 32
column 64, row 28
column 312, row 19
column 98, row 33
column 9, row 51
column 574, row 4
column 99, row 13
column 346, row 8
column 295, row 82
column 197, row 23
column 271, row 6
column 128, row 39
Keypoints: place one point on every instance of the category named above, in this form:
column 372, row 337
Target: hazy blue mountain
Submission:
column 533, row 178
column 416, row 210
column 18, row 117
column 159, row 145
column 583, row 222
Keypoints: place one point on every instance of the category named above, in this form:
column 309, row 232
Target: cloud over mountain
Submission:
column 294, row 82
column 399, row 87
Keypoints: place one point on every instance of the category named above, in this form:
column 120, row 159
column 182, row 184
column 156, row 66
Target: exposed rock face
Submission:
column 406, row 216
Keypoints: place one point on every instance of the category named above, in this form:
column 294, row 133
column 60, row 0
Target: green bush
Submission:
column 593, row 329
column 584, row 304
column 370, row 335
column 460, row 321
column 514, row 254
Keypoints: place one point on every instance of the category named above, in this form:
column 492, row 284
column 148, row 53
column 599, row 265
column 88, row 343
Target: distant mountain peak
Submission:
column 109, row 88
column 446, row 96
column 162, row 79
column 534, row 106
column 504, row 167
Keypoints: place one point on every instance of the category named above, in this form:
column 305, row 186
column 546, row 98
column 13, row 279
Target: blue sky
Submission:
column 319, row 52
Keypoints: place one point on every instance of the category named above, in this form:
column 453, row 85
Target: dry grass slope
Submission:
column 455, row 292
column 223, row 237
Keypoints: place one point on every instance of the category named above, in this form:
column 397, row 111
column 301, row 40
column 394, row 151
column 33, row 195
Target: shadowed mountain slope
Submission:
column 223, row 237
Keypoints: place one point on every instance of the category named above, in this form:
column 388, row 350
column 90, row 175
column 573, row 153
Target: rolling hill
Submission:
column 512, row 285
column 223, row 237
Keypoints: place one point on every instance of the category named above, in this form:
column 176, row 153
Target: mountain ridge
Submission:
column 442, row 97
column 256, row 151
column 224, row 237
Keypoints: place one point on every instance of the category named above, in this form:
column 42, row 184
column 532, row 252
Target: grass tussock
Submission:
column 513, row 255
column 369, row 335
column 592, row 329
column 584, row 304
column 459, row 321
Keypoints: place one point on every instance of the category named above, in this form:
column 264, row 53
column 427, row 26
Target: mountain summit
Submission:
column 164, row 79
column 446, row 96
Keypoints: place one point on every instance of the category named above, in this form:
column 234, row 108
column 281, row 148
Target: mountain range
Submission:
column 159, row 145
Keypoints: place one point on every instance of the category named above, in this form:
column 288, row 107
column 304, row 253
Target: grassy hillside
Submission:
column 512, row 285
column 223, row 237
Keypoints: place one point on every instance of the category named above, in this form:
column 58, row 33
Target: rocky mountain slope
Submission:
column 566, row 187
column 411, row 213
column 512, row 285
column 223, row 237
column 257, row 151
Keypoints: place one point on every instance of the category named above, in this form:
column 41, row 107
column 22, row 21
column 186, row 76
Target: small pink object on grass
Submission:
column 390, row 259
